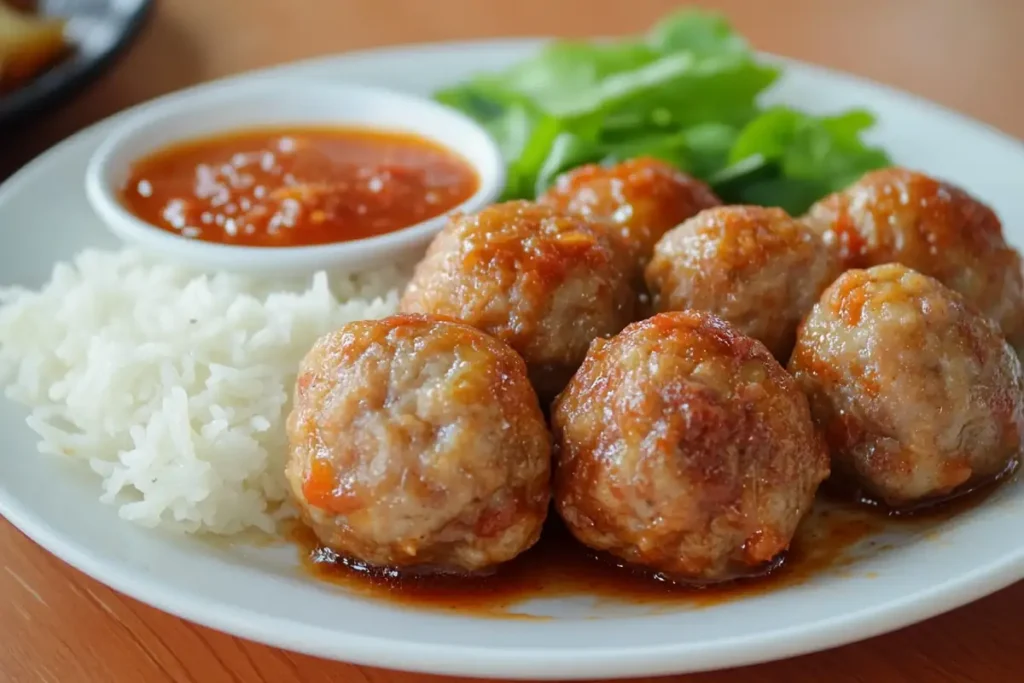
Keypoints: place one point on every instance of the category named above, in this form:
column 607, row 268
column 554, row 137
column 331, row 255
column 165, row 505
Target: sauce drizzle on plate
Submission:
column 559, row 566
column 832, row 539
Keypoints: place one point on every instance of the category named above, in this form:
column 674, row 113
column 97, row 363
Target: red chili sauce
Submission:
column 294, row 187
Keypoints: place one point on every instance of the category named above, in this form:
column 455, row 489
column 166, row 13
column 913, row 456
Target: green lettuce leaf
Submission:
column 790, row 159
column 687, row 93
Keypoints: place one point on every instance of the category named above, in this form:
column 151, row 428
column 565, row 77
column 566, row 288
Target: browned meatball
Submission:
column 684, row 447
column 418, row 443
column 543, row 281
column 918, row 394
column 901, row 216
column 754, row 267
column 644, row 196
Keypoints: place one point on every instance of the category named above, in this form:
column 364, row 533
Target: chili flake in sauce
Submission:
column 297, row 187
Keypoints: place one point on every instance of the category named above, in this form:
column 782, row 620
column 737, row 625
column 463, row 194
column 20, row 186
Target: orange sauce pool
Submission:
column 559, row 566
column 290, row 187
column 833, row 537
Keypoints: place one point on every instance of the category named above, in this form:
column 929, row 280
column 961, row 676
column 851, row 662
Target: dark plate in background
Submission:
column 97, row 30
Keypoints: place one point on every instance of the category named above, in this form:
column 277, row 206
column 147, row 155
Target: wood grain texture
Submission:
column 58, row 625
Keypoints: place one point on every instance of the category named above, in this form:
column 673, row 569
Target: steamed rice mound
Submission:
column 173, row 386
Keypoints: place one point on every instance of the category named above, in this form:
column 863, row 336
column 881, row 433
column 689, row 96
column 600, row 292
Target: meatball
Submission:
column 644, row 196
column 545, row 282
column 418, row 443
column 684, row 447
column 900, row 216
column 918, row 394
column 754, row 267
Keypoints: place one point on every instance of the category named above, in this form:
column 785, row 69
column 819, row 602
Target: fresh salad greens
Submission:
column 686, row 93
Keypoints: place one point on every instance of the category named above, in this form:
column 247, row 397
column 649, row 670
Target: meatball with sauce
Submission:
column 897, row 215
column 643, row 197
column 418, row 444
column 755, row 267
column 918, row 394
column 545, row 282
column 683, row 446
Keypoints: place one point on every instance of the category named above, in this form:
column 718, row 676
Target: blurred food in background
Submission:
column 29, row 43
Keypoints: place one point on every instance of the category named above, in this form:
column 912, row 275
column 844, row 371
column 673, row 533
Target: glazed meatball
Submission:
column 644, row 197
column 754, row 267
column 684, row 447
column 918, row 394
column 545, row 282
column 418, row 443
column 900, row 216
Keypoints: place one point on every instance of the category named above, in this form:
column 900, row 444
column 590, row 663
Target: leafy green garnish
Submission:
column 687, row 93
column 790, row 159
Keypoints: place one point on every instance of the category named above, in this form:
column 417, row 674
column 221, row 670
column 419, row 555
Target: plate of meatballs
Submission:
column 701, row 381
column 623, row 428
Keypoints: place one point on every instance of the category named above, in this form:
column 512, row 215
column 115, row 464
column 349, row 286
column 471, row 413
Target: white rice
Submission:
column 173, row 386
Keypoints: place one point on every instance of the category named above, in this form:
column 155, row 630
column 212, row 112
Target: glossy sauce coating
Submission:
column 643, row 197
column 418, row 443
column 918, row 394
column 897, row 215
column 684, row 447
column 755, row 267
column 545, row 282
column 297, row 187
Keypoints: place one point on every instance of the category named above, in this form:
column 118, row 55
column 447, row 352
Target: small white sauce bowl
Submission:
column 274, row 102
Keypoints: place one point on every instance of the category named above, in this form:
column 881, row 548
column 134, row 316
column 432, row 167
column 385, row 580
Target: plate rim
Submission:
column 544, row 664
column 563, row 663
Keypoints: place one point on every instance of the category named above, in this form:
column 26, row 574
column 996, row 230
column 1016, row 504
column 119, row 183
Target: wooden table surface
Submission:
column 58, row 625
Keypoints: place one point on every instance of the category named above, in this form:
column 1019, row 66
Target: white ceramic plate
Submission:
column 258, row 593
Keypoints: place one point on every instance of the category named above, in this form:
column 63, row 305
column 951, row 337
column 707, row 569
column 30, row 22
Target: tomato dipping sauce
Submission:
column 292, row 187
